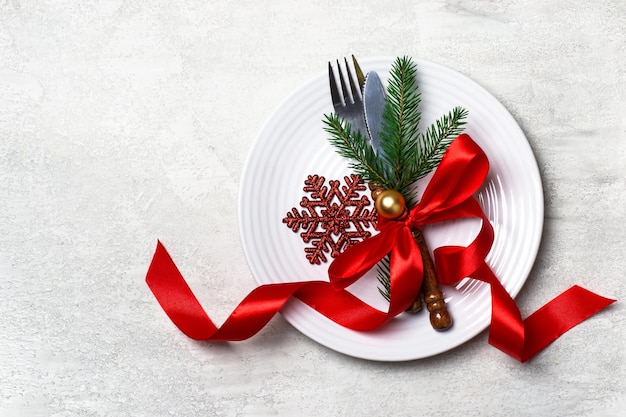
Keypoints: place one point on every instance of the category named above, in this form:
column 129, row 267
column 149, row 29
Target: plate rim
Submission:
column 511, row 123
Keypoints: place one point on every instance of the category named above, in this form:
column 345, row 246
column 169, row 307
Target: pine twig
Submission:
column 353, row 145
column 435, row 142
column 401, row 118
column 384, row 277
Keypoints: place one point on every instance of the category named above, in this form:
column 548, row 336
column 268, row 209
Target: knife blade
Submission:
column 373, row 105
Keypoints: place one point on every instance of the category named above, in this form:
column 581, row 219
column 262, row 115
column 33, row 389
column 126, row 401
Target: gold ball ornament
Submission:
column 390, row 204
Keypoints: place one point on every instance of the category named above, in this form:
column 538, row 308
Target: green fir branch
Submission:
column 407, row 155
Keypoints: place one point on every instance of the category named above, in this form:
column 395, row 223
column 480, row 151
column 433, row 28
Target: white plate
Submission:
column 292, row 144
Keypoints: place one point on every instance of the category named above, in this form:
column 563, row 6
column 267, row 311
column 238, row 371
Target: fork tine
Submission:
column 359, row 73
column 344, row 87
column 334, row 92
column 350, row 109
column 356, row 97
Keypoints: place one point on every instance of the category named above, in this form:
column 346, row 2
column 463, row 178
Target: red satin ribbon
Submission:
column 449, row 195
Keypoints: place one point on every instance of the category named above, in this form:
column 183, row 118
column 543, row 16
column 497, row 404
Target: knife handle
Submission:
column 440, row 318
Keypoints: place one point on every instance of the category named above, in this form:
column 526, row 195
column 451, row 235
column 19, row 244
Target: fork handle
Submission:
column 440, row 318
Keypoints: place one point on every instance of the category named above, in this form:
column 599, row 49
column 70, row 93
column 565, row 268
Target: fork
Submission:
column 348, row 104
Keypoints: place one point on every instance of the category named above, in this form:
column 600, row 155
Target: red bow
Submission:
column 448, row 196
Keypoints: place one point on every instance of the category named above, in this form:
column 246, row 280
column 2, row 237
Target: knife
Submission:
column 373, row 105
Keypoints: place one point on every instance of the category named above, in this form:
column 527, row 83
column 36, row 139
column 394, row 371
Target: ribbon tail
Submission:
column 524, row 339
column 182, row 307
column 507, row 331
column 562, row 313
column 407, row 271
column 176, row 298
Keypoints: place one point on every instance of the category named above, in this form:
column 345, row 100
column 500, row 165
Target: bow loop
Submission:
column 460, row 174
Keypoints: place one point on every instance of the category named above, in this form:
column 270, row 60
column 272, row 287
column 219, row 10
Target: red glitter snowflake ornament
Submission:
column 334, row 218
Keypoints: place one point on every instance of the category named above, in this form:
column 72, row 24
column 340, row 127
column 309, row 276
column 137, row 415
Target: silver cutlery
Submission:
column 373, row 106
column 346, row 98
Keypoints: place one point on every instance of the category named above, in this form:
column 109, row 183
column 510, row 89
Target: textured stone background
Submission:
column 122, row 123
